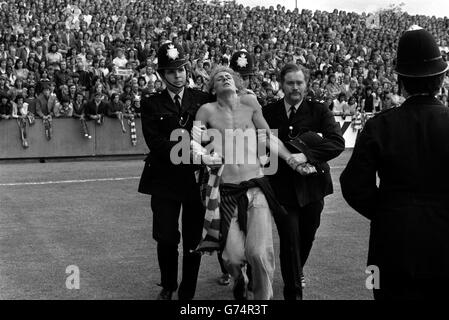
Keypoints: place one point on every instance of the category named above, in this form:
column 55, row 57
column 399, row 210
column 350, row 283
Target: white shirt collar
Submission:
column 288, row 106
column 180, row 94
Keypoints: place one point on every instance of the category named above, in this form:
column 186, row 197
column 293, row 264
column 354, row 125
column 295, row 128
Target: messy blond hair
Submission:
column 237, row 79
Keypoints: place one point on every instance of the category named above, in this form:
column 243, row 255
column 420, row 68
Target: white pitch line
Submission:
column 85, row 180
column 64, row 181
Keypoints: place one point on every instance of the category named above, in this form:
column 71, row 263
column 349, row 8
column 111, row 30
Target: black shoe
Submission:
column 165, row 294
column 239, row 289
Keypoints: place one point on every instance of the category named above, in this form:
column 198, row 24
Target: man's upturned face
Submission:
column 294, row 87
column 223, row 81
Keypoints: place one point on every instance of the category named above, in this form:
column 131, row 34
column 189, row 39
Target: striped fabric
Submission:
column 22, row 123
column 132, row 125
column 48, row 128
column 210, row 179
column 85, row 128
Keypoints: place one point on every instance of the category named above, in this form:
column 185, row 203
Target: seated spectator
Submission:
column 31, row 99
column 158, row 86
column 200, row 84
column 10, row 76
column 103, row 68
column 274, row 83
column 315, row 92
column 332, row 87
column 113, row 85
column 352, row 106
column 142, row 83
column 136, row 106
column 21, row 72
column 368, row 100
column 5, row 107
column 54, row 57
column 200, row 71
column 63, row 74
column 387, row 102
column 3, row 67
column 120, row 60
column 396, row 98
column 340, row 106
column 377, row 100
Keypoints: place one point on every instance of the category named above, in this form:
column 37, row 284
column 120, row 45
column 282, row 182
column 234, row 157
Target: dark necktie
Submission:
column 292, row 114
column 178, row 103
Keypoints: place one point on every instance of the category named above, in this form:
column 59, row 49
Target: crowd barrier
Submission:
column 67, row 140
column 348, row 131
column 107, row 139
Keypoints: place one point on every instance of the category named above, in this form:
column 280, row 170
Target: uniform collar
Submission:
column 288, row 106
column 172, row 95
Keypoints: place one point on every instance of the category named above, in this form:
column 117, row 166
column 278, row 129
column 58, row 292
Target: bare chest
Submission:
column 232, row 119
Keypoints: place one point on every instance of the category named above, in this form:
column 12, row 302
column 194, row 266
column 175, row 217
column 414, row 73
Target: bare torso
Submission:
column 238, row 145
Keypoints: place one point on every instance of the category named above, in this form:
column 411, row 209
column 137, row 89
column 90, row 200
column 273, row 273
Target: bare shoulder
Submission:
column 205, row 111
column 250, row 100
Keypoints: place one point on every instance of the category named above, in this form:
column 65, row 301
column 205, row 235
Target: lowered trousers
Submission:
column 256, row 247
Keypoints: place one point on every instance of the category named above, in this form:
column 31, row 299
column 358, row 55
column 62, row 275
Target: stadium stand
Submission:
column 79, row 49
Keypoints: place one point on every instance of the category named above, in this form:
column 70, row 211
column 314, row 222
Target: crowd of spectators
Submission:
column 80, row 53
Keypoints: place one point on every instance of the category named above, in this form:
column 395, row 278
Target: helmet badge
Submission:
column 242, row 61
column 172, row 52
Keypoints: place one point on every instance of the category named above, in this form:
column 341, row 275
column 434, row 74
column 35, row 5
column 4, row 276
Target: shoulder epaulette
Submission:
column 314, row 100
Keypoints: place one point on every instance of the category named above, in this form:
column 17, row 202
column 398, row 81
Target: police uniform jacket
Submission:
column 409, row 210
column 311, row 117
column 159, row 118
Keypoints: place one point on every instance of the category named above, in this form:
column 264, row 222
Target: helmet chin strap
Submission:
column 168, row 82
column 172, row 84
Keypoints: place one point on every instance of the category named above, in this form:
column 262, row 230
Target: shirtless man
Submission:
column 244, row 191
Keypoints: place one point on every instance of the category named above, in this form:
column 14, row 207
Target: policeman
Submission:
column 300, row 120
column 172, row 186
column 243, row 63
column 407, row 149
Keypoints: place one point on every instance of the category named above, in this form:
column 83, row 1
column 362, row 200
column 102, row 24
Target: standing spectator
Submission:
column 46, row 103
column 97, row 108
column 65, row 109
column 79, row 112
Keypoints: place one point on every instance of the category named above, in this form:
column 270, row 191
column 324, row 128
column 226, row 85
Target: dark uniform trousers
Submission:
column 296, row 235
column 173, row 188
column 166, row 232
column 302, row 197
